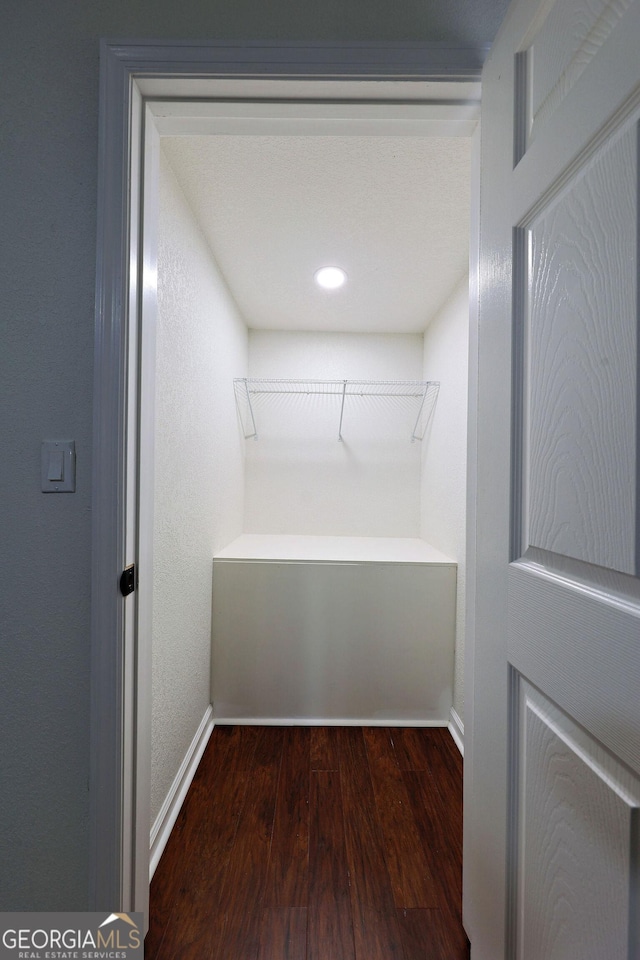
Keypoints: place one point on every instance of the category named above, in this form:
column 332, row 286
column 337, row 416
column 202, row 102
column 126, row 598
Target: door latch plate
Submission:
column 128, row 580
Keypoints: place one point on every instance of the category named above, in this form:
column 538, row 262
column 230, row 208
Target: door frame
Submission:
column 132, row 73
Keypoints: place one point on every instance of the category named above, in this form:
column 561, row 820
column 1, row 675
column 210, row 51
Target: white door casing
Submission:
column 552, row 747
column 133, row 77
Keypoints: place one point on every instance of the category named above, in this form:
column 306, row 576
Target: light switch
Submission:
column 58, row 466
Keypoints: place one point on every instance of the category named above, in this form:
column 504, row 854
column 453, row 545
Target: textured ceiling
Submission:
column 392, row 212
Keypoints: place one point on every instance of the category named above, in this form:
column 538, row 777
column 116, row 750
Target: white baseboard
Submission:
column 327, row 722
column 175, row 798
column 456, row 729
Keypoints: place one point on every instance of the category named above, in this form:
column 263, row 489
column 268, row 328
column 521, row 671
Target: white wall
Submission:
column 299, row 478
column 445, row 451
column 198, row 473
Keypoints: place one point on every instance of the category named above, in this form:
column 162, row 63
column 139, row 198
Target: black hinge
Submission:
column 128, row 580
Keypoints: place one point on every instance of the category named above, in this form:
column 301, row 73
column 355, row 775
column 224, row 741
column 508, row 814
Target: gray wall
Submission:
column 49, row 123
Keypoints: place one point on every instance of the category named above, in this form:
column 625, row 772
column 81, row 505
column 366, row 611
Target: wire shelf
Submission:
column 425, row 392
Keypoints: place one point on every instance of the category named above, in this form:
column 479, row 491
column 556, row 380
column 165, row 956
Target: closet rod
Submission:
column 424, row 390
column 369, row 388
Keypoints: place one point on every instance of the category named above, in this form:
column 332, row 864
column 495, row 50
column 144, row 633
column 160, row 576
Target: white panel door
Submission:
column 552, row 842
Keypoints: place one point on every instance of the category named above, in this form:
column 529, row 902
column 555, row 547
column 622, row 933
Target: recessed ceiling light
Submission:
column 330, row 277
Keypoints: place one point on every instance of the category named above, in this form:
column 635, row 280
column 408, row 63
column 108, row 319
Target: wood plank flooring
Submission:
column 315, row 843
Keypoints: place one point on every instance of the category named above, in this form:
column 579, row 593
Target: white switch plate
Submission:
column 58, row 466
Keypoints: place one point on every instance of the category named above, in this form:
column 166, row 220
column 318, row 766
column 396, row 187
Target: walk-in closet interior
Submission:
column 310, row 450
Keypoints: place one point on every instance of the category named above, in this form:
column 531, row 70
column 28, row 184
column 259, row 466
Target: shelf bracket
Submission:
column 414, row 433
column 433, row 386
column 253, row 419
column 344, row 390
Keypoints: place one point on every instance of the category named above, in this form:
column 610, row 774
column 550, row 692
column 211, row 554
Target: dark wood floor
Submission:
column 323, row 843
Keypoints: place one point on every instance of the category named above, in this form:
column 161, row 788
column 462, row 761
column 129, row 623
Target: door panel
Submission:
column 560, row 43
column 554, row 751
column 577, row 818
column 581, row 332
